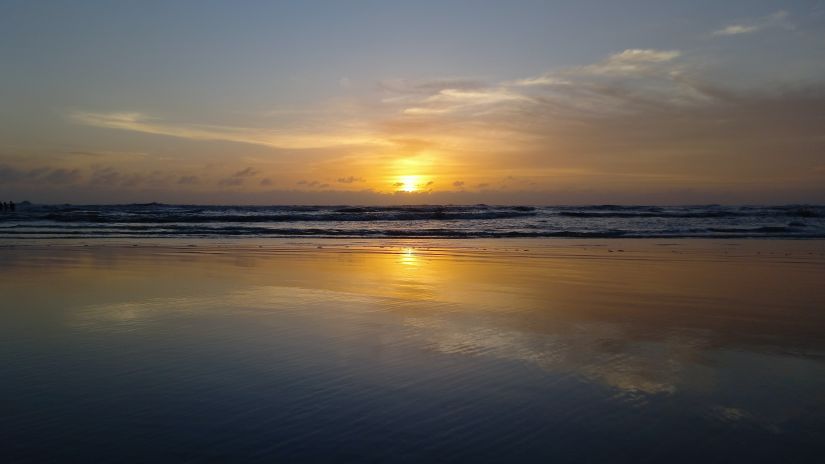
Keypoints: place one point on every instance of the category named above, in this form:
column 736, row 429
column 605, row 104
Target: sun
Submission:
column 408, row 183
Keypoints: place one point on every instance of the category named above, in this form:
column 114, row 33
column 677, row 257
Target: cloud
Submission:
column 62, row 176
column 321, row 137
column 630, row 61
column 590, row 86
column 108, row 153
column 749, row 26
column 12, row 175
column 311, row 184
column 641, row 119
column 451, row 100
column 96, row 177
column 266, row 182
column 405, row 87
column 350, row 180
column 105, row 176
column 441, row 96
column 623, row 81
column 736, row 29
column 108, row 176
column 248, row 172
column 547, row 80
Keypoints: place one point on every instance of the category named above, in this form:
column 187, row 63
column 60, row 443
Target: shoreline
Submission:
column 790, row 251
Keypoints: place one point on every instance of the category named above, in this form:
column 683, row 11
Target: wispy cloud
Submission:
column 736, row 29
column 108, row 176
column 638, row 118
column 429, row 87
column 624, row 120
column 449, row 100
column 248, row 172
column 630, row 61
column 350, row 180
column 544, row 80
column 57, row 175
column 604, row 86
column 749, row 26
column 313, row 184
column 286, row 139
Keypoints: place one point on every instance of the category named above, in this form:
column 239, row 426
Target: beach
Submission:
column 412, row 232
column 412, row 350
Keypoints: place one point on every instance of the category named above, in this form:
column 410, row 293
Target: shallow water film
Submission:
column 453, row 351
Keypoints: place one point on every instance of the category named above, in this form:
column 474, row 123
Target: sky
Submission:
column 402, row 102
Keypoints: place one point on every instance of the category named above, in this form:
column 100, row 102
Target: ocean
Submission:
column 417, row 221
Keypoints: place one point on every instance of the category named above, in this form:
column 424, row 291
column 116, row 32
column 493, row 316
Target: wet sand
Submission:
column 413, row 351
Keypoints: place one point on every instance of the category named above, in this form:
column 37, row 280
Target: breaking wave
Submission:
column 460, row 221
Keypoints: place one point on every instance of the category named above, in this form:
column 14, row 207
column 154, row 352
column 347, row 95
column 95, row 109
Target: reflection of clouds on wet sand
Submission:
column 685, row 336
column 540, row 312
column 595, row 353
column 684, row 367
column 131, row 315
column 125, row 315
column 592, row 353
column 738, row 417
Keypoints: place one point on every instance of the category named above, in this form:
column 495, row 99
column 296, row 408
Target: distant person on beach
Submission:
column 5, row 207
column 12, row 206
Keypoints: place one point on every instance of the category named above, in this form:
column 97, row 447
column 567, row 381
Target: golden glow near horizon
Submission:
column 617, row 122
column 409, row 183
column 412, row 174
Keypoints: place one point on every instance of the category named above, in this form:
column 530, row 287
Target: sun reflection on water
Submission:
column 408, row 257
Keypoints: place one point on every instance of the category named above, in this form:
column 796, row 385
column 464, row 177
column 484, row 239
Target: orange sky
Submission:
column 725, row 108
